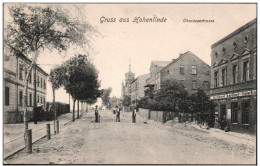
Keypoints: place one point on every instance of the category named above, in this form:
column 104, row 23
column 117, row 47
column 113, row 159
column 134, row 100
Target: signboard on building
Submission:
column 231, row 95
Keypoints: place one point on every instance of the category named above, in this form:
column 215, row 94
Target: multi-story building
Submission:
column 187, row 69
column 137, row 88
column 154, row 79
column 15, row 69
column 126, row 84
column 233, row 78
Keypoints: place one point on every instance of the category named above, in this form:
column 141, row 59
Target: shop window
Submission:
column 216, row 79
column 223, row 76
column 194, row 69
column 245, row 112
column 7, row 102
column 234, row 73
column 181, row 69
column 21, row 98
column 234, row 111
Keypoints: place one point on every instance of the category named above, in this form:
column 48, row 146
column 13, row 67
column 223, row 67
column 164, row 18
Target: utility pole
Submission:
column 35, row 114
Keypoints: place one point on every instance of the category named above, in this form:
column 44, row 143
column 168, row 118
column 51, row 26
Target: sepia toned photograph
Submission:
column 129, row 83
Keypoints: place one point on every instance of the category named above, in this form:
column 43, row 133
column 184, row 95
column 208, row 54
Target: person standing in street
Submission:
column 134, row 115
column 96, row 114
column 117, row 114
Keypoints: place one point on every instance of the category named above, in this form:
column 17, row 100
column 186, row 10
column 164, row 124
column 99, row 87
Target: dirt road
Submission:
column 110, row 142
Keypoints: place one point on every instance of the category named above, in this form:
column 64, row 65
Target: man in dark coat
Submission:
column 96, row 114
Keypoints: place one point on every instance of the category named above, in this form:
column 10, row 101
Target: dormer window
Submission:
column 223, row 50
column 246, row 39
column 235, row 45
column 216, row 54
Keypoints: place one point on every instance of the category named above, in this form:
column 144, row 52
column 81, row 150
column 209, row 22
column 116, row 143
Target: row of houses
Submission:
column 230, row 81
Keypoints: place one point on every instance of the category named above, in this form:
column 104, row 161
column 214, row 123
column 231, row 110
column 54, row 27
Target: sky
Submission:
column 122, row 43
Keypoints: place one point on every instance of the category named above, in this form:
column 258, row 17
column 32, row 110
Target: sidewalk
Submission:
column 14, row 133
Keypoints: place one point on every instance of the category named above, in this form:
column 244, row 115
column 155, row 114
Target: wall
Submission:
column 188, row 59
column 153, row 115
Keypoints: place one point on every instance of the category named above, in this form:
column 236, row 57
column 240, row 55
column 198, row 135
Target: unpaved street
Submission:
column 110, row 142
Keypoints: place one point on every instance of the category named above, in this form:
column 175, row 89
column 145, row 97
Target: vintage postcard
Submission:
column 129, row 83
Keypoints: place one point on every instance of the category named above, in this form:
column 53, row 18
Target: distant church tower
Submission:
column 126, row 84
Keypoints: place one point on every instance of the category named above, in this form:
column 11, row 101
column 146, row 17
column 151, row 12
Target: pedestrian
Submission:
column 96, row 114
column 223, row 123
column 116, row 112
column 134, row 115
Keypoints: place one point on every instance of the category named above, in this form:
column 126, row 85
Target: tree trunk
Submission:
column 73, row 111
column 35, row 96
column 78, row 111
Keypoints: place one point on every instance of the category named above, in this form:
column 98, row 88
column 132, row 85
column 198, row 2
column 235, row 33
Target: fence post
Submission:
column 58, row 130
column 29, row 140
column 48, row 131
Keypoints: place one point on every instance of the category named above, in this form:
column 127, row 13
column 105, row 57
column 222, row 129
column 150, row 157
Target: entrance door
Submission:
column 223, row 111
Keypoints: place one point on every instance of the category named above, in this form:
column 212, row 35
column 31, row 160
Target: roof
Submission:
column 247, row 25
column 182, row 55
column 144, row 75
column 161, row 63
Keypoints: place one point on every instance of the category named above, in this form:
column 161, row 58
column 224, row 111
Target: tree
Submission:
column 172, row 97
column 35, row 28
column 106, row 97
column 201, row 103
column 81, row 80
column 56, row 79
column 126, row 101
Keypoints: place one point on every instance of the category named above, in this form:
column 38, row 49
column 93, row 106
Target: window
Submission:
column 44, row 84
column 30, row 99
column 181, row 69
column 38, row 81
column 21, row 98
column 44, row 101
column 216, row 79
column 30, row 77
column 234, row 73
column 223, row 76
column 7, row 96
column 194, row 69
column 246, row 71
column 41, row 82
column 20, row 72
column 194, row 85
column 168, row 72
column 25, row 71
column 235, row 45
column 245, row 112
column 234, row 110
column 41, row 99
column 38, row 99
column 206, row 85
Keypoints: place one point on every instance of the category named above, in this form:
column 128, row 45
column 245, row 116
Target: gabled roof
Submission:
column 186, row 53
column 160, row 63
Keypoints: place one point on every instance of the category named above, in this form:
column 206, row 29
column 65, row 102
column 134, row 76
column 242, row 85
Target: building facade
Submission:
column 15, row 69
column 137, row 88
column 233, row 78
column 187, row 69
